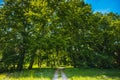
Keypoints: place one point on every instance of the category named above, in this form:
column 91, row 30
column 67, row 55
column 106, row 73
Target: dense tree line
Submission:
column 57, row 32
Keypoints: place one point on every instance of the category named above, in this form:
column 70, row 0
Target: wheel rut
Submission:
column 56, row 74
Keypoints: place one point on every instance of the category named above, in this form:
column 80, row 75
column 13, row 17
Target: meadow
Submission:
column 34, row 74
column 71, row 73
column 92, row 74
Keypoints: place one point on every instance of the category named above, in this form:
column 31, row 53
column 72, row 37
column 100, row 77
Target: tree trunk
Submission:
column 21, row 61
column 31, row 61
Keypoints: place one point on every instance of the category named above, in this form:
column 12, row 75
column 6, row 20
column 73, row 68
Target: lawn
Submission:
column 92, row 74
column 34, row 74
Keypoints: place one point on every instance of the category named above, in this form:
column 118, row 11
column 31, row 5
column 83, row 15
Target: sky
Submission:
column 104, row 6
column 1, row 1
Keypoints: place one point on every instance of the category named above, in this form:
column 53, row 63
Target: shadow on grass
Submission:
column 93, row 73
column 36, row 73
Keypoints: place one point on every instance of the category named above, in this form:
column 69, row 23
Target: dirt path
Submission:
column 64, row 77
column 55, row 75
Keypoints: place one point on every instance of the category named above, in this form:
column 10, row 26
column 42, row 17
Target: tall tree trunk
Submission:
column 22, row 51
column 21, row 60
column 32, row 58
column 31, row 61
column 118, row 58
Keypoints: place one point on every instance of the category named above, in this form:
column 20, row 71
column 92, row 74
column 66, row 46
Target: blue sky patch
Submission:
column 105, row 6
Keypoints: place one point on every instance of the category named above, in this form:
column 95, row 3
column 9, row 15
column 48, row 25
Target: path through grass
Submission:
column 92, row 74
column 71, row 73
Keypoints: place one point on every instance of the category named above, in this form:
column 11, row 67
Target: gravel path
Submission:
column 64, row 77
column 55, row 75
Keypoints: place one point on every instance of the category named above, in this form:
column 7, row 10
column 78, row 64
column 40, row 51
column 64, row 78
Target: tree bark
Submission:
column 31, row 61
column 21, row 60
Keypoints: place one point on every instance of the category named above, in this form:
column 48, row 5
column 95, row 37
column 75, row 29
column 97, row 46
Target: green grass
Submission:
column 34, row 74
column 71, row 73
column 92, row 74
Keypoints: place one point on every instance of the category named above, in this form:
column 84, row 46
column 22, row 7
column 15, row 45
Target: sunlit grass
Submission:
column 2, row 76
column 72, row 74
column 92, row 74
column 34, row 74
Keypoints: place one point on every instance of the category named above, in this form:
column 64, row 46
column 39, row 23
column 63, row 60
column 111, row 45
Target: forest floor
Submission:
column 63, row 74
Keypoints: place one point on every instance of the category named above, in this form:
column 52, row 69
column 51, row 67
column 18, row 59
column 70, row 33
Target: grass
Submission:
column 71, row 73
column 92, row 74
column 34, row 74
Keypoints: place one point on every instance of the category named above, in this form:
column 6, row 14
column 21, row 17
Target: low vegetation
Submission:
column 34, row 74
column 92, row 74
